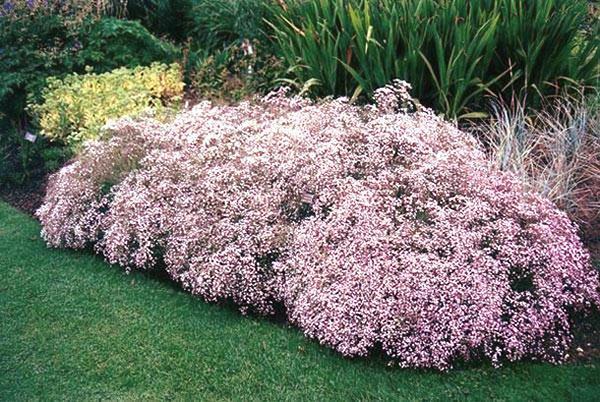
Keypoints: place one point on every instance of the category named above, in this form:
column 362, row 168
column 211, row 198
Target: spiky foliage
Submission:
column 452, row 51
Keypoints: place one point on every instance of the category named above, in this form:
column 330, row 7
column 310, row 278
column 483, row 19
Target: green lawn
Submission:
column 73, row 327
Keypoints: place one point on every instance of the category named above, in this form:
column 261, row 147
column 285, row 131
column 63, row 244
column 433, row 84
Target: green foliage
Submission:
column 110, row 43
column 15, row 157
column 34, row 43
column 22, row 160
column 230, row 56
column 43, row 44
column 453, row 52
column 209, row 24
column 236, row 72
column 546, row 44
column 32, row 49
column 171, row 18
column 47, row 40
column 219, row 23
column 54, row 156
column 75, row 108
column 214, row 34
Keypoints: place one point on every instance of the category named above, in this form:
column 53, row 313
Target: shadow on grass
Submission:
column 584, row 349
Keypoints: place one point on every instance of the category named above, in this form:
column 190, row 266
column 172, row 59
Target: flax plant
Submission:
column 454, row 52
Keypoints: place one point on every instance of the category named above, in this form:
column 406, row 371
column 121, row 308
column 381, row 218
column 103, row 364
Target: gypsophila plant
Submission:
column 73, row 218
column 379, row 226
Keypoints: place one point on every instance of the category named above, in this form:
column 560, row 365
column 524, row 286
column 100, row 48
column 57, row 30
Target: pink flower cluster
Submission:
column 373, row 227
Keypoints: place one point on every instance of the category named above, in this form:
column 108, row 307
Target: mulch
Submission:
column 27, row 198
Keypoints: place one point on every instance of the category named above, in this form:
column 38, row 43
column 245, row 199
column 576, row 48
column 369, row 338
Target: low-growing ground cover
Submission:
column 75, row 328
column 372, row 227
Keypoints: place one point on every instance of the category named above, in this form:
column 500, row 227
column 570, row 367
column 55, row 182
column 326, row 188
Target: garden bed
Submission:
column 369, row 222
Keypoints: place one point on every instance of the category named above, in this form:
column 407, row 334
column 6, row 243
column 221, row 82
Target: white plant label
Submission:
column 30, row 137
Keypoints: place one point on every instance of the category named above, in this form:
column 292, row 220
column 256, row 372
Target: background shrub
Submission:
column 75, row 109
column 32, row 48
column 170, row 18
column 239, row 71
column 222, row 22
column 76, row 10
column 37, row 39
column 110, row 43
column 41, row 39
column 44, row 44
column 22, row 161
column 452, row 51
column 208, row 24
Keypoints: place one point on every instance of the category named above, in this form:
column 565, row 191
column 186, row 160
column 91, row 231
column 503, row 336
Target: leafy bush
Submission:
column 371, row 225
column 210, row 24
column 22, row 161
column 39, row 39
column 170, row 18
column 453, row 51
column 236, row 72
column 46, row 44
column 218, row 23
column 77, row 10
column 110, row 43
column 33, row 47
column 75, row 109
column 216, row 37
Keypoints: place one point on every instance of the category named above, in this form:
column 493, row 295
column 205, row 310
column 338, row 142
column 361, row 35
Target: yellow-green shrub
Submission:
column 75, row 108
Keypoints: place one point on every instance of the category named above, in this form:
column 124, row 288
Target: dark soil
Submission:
column 27, row 198
column 586, row 327
column 586, row 333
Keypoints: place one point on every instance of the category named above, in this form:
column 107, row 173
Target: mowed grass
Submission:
column 73, row 327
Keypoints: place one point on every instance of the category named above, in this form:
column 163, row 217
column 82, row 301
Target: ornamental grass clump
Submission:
column 376, row 227
column 556, row 151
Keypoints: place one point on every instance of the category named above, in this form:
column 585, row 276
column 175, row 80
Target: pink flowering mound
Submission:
column 375, row 227
column 78, row 195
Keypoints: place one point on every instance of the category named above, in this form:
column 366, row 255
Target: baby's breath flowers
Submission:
column 377, row 226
